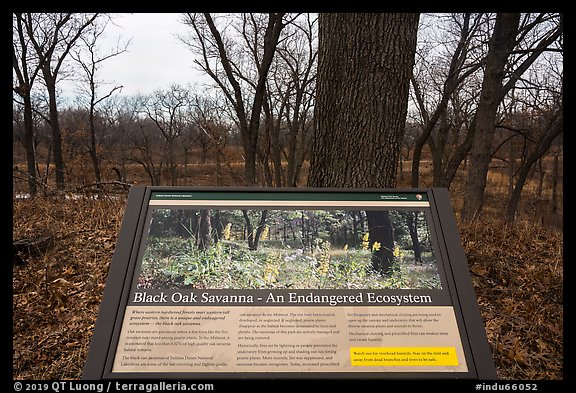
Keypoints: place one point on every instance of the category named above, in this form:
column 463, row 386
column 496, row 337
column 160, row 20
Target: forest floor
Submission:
column 517, row 273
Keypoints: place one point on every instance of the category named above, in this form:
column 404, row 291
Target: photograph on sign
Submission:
column 297, row 249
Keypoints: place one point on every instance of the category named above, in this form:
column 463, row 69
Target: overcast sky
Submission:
column 155, row 57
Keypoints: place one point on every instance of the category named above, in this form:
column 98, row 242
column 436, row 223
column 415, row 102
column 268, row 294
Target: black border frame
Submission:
column 444, row 232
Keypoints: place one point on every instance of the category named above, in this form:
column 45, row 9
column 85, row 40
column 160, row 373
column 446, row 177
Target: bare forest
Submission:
column 468, row 101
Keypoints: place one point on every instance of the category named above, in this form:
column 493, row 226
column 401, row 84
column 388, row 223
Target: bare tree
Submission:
column 145, row 142
column 460, row 67
column 217, row 59
column 509, row 33
column 212, row 129
column 121, row 115
column 299, row 60
column 90, row 61
column 501, row 45
column 26, row 70
column 168, row 110
column 553, row 128
column 52, row 36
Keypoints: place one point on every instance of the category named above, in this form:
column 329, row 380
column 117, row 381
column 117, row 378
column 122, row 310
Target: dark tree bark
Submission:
column 381, row 231
column 204, row 229
column 217, row 225
column 25, row 78
column 554, row 209
column 364, row 67
column 412, row 222
column 253, row 237
column 53, row 36
column 501, row 45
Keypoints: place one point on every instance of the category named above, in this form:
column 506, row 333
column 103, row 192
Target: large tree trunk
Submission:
column 501, row 44
column 364, row 67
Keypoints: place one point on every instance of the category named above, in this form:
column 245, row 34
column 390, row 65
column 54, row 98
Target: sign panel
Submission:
column 289, row 283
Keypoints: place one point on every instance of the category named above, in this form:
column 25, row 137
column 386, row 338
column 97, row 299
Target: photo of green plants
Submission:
column 296, row 249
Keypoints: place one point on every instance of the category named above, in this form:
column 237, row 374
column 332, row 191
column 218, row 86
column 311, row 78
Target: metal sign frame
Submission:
column 119, row 285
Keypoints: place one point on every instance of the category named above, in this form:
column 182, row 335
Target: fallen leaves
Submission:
column 57, row 294
column 518, row 277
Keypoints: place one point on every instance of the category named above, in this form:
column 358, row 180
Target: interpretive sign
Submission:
column 289, row 283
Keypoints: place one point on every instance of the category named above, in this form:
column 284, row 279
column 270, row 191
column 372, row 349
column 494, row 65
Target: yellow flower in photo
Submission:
column 265, row 233
column 397, row 253
column 365, row 242
column 324, row 264
column 376, row 246
column 271, row 268
column 227, row 230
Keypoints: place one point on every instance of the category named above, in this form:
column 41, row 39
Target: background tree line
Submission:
column 471, row 91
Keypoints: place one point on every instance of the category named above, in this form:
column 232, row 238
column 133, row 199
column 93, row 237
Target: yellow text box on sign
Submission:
column 403, row 356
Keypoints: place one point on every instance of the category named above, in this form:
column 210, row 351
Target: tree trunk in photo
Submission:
column 355, row 227
column 260, row 228
column 364, row 67
column 253, row 236
column 188, row 223
column 204, row 229
column 412, row 222
column 217, row 225
column 501, row 45
column 381, row 231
